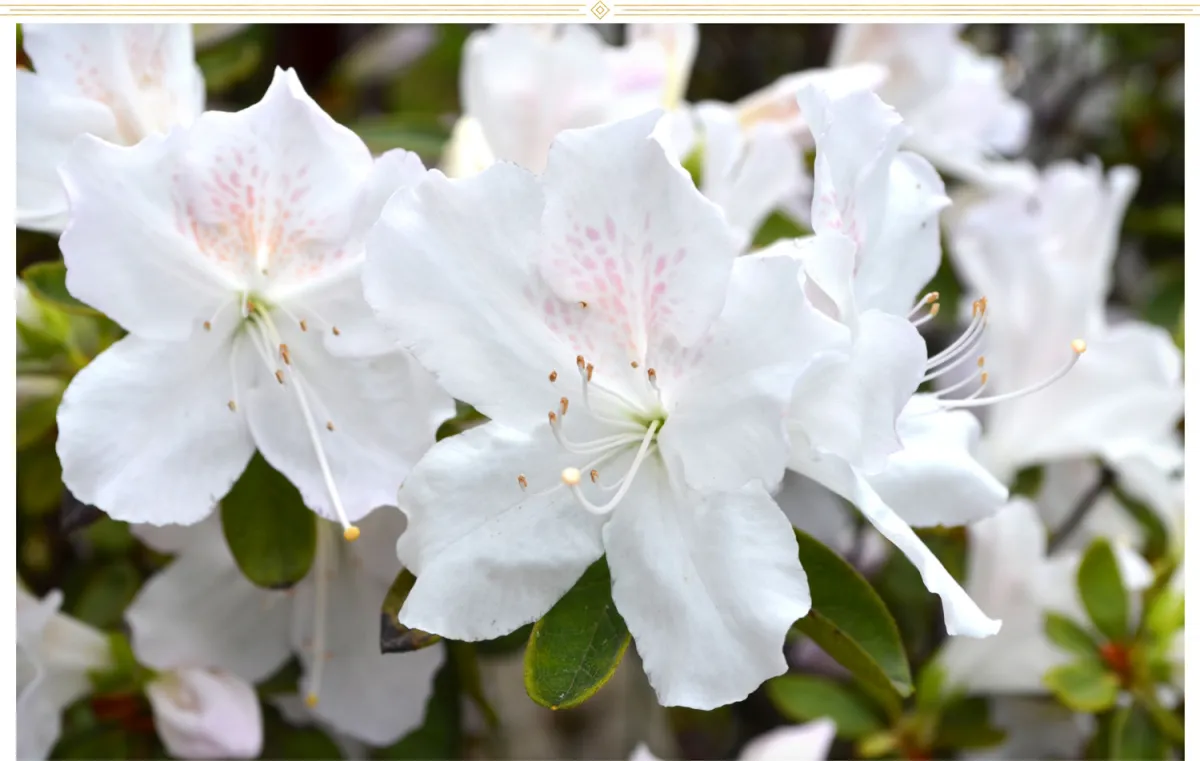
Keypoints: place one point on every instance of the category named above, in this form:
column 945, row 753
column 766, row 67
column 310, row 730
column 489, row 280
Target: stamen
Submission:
column 329, row 425
column 320, row 603
column 926, row 300
column 591, row 447
column 585, row 378
column 583, row 304
column 965, row 342
column 571, row 477
column 553, row 375
column 207, row 325
column 595, row 474
column 590, row 368
column 279, row 376
column 562, row 404
column 232, row 405
column 304, row 326
column 1078, row 347
column 964, row 382
column 283, row 352
column 933, row 312
column 634, row 364
column 523, row 481
column 335, row 330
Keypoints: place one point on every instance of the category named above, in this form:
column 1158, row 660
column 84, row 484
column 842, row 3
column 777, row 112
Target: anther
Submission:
column 279, row 376
column 351, row 533
column 335, row 330
column 580, row 362
column 310, row 700
column 207, row 325
column 634, row 364
column 329, row 425
column 1079, row 346
column 590, row 368
column 583, row 304
column 283, row 353
column 553, row 375
column 595, row 474
column 304, row 326
column 523, row 481
column 562, row 404
column 232, row 406
column 553, row 418
column 980, row 361
column 571, row 476
column 933, row 310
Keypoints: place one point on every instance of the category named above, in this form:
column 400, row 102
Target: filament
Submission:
column 1078, row 347
column 320, row 602
column 572, row 476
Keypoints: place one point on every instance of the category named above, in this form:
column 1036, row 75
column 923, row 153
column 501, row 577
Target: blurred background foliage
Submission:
column 1110, row 91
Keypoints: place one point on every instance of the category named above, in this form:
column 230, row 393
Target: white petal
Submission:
column 489, row 556
column 202, row 713
column 450, row 263
column 201, row 611
column 524, row 87
column 370, row 696
column 935, row 478
column 806, row 742
column 627, row 232
column 776, row 103
column 145, row 432
column 816, row 511
column 127, row 248
column 726, row 426
column 962, row 614
column 48, row 121
column 847, row 405
column 653, row 68
column 709, row 587
column 372, row 418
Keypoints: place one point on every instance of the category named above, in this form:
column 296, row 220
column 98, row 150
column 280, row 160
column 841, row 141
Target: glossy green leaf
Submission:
column 849, row 621
column 395, row 637
column 1103, row 591
column 424, row 137
column 106, row 593
column 1083, row 686
column 801, row 697
column 35, row 420
column 967, row 723
column 1070, row 636
column 1134, row 736
column 229, row 62
column 778, row 226
column 39, row 478
column 272, row 535
column 576, row 647
column 47, row 281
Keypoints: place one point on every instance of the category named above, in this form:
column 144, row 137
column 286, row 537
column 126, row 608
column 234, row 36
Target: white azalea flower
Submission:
column 1044, row 261
column 803, row 742
column 855, row 425
column 635, row 371
column 55, row 653
column 206, row 713
column 954, row 99
column 200, row 609
column 231, row 252
column 118, row 82
column 1009, row 574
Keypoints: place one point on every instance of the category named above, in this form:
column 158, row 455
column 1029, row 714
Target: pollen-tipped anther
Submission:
column 571, row 476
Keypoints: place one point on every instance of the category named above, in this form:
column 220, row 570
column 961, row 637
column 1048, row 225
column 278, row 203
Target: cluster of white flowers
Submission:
column 658, row 392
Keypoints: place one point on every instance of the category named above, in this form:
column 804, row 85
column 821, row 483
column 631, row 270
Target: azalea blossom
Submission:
column 231, row 252
column 206, row 713
column 55, row 654
column 855, row 425
column 954, row 100
column 803, row 742
column 635, row 371
column 1044, row 259
column 117, row 82
column 201, row 610
column 1010, row 576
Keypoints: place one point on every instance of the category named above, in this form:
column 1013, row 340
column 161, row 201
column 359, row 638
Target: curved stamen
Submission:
column 320, row 601
column 268, row 334
column 572, row 476
column 1078, row 347
column 933, row 312
column 964, row 382
column 591, row 447
column 928, row 300
column 969, row 338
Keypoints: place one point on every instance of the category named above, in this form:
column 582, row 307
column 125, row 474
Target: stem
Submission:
column 1080, row 511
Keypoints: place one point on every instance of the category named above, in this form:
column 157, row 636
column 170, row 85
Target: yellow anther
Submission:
column 562, row 404
column 310, row 700
column 553, row 375
column 351, row 533
column 595, row 475
column 523, row 481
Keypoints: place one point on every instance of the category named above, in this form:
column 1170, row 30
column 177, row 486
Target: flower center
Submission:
column 277, row 356
column 963, row 350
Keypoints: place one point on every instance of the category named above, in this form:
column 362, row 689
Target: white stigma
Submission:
column 572, row 476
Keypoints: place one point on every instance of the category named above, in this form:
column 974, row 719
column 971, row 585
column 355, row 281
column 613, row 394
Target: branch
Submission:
column 1081, row 509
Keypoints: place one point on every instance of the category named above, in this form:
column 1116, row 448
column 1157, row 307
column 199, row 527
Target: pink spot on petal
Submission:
column 593, row 233
column 660, row 265
column 610, row 228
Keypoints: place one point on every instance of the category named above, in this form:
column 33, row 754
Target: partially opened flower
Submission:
column 1044, row 261
column 55, row 654
column 118, row 82
column 636, row 371
column 206, row 713
column 955, row 100
column 1010, row 575
column 231, row 252
column 855, row 425
column 201, row 610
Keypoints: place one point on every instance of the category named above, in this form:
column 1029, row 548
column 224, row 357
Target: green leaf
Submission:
column 106, row 593
column 1028, row 482
column 230, row 62
column 47, row 281
column 1083, row 686
column 576, row 647
column 777, row 226
column 931, row 684
column 272, row 535
column 801, row 698
column 282, row 740
column 39, row 478
column 36, row 420
column 1070, row 636
column 424, row 136
column 506, row 645
column 849, row 621
column 395, row 637
column 37, row 343
column 1103, row 592
column 967, row 723
column 1134, row 736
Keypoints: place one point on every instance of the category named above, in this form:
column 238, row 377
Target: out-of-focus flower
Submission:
column 636, row 397
column 1010, row 576
column 206, row 713
column 855, row 425
column 118, row 82
column 954, row 99
column 55, row 653
column 200, row 609
column 1044, row 260
column 804, row 742
column 231, row 252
